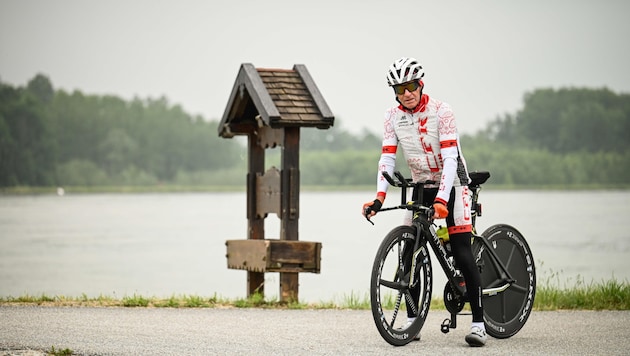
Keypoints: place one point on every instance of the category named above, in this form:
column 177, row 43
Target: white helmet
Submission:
column 403, row 70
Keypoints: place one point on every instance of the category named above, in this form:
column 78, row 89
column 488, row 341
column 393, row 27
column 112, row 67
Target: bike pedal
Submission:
column 446, row 326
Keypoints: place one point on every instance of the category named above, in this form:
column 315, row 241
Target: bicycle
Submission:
column 508, row 274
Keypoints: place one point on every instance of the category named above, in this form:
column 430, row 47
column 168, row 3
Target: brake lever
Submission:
column 366, row 213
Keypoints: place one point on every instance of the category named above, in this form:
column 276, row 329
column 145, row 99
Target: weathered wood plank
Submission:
column 273, row 255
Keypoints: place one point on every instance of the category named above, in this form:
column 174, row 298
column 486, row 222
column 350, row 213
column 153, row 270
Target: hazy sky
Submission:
column 479, row 56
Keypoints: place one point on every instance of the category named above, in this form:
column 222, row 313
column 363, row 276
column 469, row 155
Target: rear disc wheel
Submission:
column 506, row 312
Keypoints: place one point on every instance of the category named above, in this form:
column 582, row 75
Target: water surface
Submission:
column 173, row 244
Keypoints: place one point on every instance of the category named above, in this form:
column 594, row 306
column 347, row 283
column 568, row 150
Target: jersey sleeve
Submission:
column 387, row 162
column 447, row 128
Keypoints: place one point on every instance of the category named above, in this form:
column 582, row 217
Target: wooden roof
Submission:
column 276, row 98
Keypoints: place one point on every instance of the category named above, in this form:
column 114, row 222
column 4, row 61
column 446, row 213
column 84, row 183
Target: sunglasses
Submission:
column 411, row 86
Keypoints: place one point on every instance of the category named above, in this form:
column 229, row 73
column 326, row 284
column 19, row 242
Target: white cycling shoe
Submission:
column 477, row 337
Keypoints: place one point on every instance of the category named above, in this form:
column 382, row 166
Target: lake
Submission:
column 169, row 244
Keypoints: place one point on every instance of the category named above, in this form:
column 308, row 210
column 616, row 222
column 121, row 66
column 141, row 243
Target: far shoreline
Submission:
column 168, row 188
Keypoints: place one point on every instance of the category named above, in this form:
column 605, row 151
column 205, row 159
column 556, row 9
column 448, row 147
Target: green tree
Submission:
column 81, row 173
column 41, row 87
column 119, row 151
column 568, row 120
column 27, row 148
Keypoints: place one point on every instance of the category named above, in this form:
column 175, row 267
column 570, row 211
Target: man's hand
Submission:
column 440, row 211
column 371, row 208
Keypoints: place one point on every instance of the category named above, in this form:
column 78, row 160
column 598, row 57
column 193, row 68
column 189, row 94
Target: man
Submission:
column 425, row 129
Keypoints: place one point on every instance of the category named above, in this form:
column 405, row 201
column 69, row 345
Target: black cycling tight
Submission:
column 464, row 260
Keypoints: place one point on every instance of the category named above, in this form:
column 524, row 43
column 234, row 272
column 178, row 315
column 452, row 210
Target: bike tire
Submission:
column 505, row 313
column 390, row 272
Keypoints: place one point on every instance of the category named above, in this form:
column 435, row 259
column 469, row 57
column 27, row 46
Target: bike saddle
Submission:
column 478, row 178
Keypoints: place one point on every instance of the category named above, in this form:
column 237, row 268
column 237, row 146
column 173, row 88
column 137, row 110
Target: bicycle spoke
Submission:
column 503, row 309
column 393, row 285
column 518, row 288
column 411, row 303
column 508, row 261
column 396, row 308
column 401, row 267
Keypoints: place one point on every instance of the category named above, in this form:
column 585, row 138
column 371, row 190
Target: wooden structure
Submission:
column 270, row 106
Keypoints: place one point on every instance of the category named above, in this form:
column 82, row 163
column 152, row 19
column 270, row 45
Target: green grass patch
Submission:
column 59, row 352
column 135, row 301
column 610, row 294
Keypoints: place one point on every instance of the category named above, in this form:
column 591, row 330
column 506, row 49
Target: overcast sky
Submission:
column 479, row 56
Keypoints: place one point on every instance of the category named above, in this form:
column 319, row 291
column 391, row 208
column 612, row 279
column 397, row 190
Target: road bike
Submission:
column 403, row 264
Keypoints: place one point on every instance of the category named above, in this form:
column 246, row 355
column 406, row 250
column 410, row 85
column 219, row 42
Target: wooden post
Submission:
column 270, row 106
column 255, row 223
column 290, row 206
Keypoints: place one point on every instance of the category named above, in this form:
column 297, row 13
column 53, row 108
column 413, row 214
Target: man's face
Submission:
column 408, row 94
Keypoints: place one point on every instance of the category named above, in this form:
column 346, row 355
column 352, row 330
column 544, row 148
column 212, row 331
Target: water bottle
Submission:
column 442, row 233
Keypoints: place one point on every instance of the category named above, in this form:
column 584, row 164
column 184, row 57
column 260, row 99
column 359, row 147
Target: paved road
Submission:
column 161, row 331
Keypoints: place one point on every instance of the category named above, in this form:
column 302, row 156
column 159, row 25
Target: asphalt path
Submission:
column 252, row 331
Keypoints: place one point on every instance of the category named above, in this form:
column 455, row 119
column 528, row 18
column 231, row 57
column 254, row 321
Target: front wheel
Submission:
column 506, row 311
column 400, row 286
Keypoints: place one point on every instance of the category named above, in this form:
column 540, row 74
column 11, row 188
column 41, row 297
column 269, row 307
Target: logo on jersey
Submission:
column 404, row 121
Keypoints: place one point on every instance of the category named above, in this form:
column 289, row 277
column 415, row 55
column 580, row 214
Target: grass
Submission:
column 62, row 352
column 550, row 295
column 609, row 294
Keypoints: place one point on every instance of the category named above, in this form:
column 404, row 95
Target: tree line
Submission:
column 568, row 136
column 53, row 138
column 49, row 137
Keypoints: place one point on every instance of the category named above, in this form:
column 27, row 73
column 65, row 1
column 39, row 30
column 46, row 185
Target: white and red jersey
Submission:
column 430, row 143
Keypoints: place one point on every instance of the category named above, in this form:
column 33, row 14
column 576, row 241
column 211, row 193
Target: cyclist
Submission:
column 425, row 129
